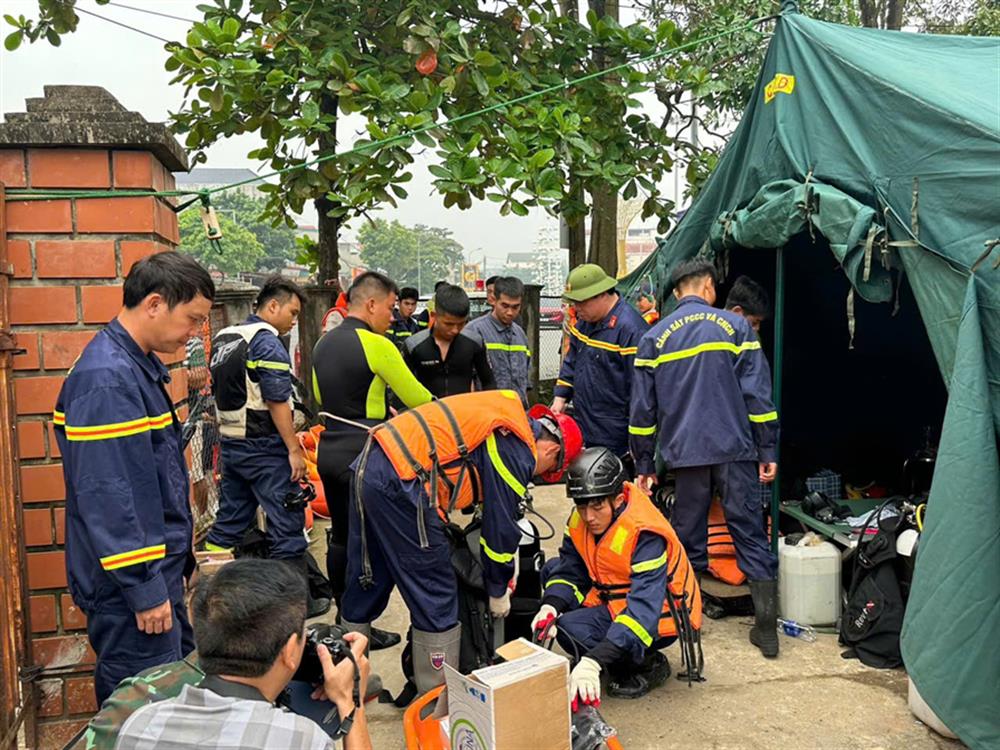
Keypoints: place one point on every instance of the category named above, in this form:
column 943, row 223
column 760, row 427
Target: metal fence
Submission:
column 552, row 314
column 201, row 429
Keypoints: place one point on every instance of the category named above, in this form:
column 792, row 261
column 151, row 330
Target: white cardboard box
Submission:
column 522, row 703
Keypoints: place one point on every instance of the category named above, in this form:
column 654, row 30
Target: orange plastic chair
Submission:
column 421, row 731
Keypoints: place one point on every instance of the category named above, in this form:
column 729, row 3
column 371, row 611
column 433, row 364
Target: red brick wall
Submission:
column 69, row 259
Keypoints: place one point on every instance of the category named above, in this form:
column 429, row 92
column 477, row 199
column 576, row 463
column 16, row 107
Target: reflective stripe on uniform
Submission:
column 607, row 346
column 509, row 348
column 694, row 351
column 618, row 540
column 633, row 430
column 564, row 582
column 263, row 364
column 134, row 557
column 209, row 547
column 500, row 557
column 566, row 383
column 770, row 416
column 112, row 430
column 641, row 633
column 501, row 469
column 647, row 565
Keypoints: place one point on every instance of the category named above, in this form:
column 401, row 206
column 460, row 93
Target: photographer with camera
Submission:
column 249, row 626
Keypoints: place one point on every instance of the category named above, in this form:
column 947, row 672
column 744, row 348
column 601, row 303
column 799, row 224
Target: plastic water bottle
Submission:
column 794, row 630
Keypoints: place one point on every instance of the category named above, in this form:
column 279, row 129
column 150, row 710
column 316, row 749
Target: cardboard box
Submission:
column 522, row 703
column 209, row 562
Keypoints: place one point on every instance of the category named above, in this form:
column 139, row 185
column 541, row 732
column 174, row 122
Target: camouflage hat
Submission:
column 587, row 281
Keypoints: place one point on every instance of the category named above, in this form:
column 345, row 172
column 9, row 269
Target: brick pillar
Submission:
column 69, row 259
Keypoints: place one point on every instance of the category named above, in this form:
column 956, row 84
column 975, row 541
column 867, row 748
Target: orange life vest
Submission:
column 609, row 564
column 651, row 316
column 432, row 442
column 721, row 550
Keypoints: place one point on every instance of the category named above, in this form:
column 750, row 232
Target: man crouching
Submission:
column 622, row 587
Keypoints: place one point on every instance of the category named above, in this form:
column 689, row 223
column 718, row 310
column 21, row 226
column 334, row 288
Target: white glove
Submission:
column 585, row 682
column 500, row 605
column 544, row 613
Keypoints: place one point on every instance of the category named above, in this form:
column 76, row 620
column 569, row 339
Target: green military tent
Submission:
column 883, row 148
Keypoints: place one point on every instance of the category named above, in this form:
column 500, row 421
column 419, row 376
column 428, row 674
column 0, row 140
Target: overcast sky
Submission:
column 130, row 66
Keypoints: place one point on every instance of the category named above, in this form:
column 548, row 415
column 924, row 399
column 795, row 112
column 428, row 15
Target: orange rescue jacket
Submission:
column 609, row 561
column 432, row 441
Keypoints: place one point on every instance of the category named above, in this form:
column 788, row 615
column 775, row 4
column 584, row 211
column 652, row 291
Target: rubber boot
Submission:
column 637, row 680
column 314, row 607
column 764, row 633
column 374, row 689
column 430, row 653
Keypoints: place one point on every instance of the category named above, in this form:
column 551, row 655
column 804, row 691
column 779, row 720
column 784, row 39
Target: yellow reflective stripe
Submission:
column 564, row 582
column 134, row 557
column 587, row 341
column 316, row 394
column 501, row 469
column 656, row 562
column 209, row 547
column 618, row 540
column 694, row 351
column 635, row 627
column 633, row 430
column 263, row 364
column 117, row 429
column 566, row 383
column 500, row 557
column 771, row 416
column 58, row 418
column 509, row 348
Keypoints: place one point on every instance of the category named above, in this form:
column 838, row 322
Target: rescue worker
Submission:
column 647, row 308
column 490, row 293
column 444, row 357
column 418, row 467
column 748, row 298
column 353, row 366
column 262, row 461
column 618, row 603
column 506, row 342
column 403, row 323
column 596, row 373
column 703, row 394
column 128, row 519
column 424, row 316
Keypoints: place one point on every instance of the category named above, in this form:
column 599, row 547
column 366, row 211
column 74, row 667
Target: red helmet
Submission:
column 569, row 434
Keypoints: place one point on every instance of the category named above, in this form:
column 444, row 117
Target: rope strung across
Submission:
column 28, row 194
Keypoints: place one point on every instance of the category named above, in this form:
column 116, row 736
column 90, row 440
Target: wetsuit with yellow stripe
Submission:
column 352, row 369
column 596, row 374
column 128, row 521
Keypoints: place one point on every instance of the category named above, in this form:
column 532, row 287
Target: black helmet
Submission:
column 597, row 472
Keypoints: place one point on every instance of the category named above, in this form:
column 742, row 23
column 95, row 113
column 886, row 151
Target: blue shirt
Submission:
column 126, row 480
column 702, row 391
column 276, row 373
column 597, row 375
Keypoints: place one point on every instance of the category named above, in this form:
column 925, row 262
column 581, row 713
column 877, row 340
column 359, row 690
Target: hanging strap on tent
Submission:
column 851, row 322
column 914, row 212
column 990, row 245
column 869, row 242
column 807, row 206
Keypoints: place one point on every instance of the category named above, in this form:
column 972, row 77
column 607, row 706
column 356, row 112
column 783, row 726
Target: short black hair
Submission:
column 370, row 284
column 409, row 292
column 279, row 288
column 439, row 284
column 508, row 286
column 693, row 269
column 177, row 277
column 244, row 614
column 750, row 296
column 492, row 280
column 452, row 300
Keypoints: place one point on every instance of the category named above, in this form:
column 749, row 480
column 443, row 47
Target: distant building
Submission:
column 546, row 264
column 205, row 178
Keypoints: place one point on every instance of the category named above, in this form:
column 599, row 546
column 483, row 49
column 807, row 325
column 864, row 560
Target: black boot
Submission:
column 764, row 633
column 314, row 607
column 378, row 639
column 638, row 681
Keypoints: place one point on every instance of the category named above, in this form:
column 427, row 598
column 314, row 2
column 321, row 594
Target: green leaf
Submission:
column 519, row 208
column 484, row 59
column 231, row 28
column 540, row 158
column 438, row 171
column 310, row 111
column 217, row 98
column 481, row 86
column 13, row 40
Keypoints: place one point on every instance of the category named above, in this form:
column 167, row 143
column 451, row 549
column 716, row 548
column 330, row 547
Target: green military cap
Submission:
column 587, row 281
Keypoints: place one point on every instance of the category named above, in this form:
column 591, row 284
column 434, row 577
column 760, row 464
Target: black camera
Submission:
column 310, row 668
column 299, row 500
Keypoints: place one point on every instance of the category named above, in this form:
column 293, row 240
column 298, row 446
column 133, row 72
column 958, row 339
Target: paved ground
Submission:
column 808, row 698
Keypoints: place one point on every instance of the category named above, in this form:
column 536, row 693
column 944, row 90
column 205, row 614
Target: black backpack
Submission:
column 873, row 616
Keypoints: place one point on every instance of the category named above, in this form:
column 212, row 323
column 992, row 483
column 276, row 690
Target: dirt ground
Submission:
column 808, row 698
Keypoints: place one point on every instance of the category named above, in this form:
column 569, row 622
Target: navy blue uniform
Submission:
column 425, row 577
column 400, row 329
column 703, row 394
column 590, row 631
column 597, row 375
column 255, row 468
column 128, row 521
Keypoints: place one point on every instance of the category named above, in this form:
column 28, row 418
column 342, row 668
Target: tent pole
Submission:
column 779, row 345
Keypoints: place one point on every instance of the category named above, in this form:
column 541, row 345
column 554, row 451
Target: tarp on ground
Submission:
column 888, row 144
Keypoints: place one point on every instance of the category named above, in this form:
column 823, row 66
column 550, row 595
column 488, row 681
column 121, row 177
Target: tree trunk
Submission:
column 328, row 268
column 577, row 243
column 894, row 14
column 869, row 13
column 604, row 211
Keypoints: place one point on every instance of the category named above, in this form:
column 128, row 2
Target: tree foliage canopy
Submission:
column 412, row 256
column 239, row 251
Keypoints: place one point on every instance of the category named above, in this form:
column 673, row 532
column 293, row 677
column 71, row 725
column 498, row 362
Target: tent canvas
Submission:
column 888, row 145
